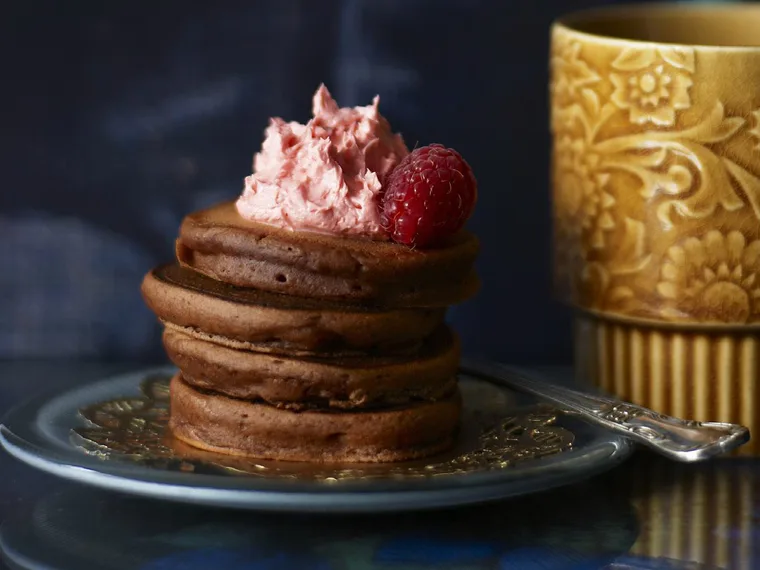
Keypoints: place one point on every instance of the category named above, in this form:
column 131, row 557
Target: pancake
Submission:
column 219, row 243
column 268, row 322
column 295, row 384
column 238, row 427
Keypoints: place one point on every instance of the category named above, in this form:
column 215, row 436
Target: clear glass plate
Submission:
column 509, row 445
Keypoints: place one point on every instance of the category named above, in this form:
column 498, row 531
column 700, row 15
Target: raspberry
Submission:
column 428, row 197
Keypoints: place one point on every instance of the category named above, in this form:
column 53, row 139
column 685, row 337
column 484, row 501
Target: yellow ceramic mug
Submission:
column 656, row 198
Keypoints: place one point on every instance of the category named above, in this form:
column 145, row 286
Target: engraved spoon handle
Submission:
column 682, row 440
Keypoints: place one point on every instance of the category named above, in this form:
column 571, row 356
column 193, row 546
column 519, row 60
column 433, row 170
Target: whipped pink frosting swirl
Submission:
column 325, row 176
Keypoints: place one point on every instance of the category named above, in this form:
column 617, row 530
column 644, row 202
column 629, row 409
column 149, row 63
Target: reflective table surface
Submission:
column 647, row 513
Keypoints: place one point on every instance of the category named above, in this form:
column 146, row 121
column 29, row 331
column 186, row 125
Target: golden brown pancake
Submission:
column 219, row 243
column 239, row 427
column 297, row 383
column 249, row 319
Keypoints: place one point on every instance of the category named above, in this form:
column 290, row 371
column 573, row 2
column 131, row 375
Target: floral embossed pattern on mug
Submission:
column 657, row 174
column 655, row 118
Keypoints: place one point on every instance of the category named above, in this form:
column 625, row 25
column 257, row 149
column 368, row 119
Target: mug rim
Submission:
column 572, row 22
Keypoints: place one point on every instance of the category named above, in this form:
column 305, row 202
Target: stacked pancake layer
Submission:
column 309, row 347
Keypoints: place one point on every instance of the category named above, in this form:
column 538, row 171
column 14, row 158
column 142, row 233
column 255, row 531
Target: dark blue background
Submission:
column 120, row 117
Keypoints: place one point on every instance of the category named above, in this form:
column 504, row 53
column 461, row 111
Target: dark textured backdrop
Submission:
column 120, row 117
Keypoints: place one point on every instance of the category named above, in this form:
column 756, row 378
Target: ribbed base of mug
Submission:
column 695, row 375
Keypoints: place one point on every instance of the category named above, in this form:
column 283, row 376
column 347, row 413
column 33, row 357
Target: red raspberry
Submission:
column 428, row 197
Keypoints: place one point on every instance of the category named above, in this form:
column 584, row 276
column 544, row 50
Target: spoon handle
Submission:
column 678, row 439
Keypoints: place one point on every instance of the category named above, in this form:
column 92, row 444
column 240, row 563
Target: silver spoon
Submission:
column 682, row 440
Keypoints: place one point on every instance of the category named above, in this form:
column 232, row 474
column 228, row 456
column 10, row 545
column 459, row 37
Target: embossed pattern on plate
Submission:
column 135, row 429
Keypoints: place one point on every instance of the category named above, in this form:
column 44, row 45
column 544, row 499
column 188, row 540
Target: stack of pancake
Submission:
column 310, row 347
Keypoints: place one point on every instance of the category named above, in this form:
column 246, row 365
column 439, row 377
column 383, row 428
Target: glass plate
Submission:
column 111, row 434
